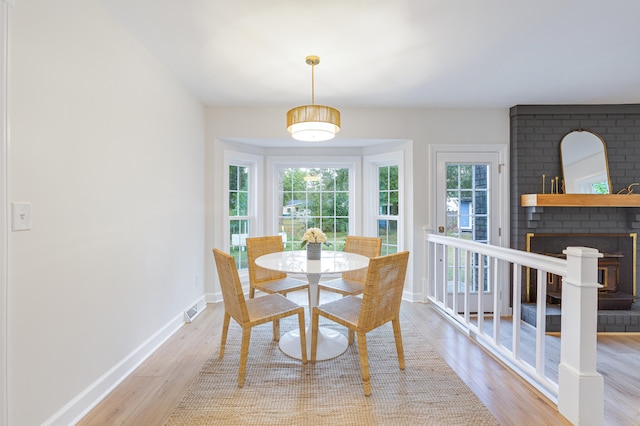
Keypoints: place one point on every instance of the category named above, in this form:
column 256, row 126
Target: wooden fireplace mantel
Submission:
column 580, row 200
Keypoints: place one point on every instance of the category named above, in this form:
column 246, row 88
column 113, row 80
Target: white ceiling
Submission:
column 401, row 53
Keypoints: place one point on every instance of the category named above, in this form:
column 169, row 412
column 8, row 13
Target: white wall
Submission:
column 5, row 8
column 420, row 127
column 108, row 148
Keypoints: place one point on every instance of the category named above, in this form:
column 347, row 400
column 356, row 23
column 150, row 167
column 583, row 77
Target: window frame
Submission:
column 254, row 163
column 352, row 163
column 372, row 165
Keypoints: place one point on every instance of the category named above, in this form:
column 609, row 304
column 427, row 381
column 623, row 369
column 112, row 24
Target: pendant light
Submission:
column 313, row 123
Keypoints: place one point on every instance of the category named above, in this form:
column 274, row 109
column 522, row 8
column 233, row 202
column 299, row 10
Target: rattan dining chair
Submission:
column 352, row 283
column 266, row 280
column 379, row 304
column 252, row 312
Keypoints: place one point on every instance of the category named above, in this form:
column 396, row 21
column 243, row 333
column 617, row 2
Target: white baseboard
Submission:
column 214, row 297
column 77, row 408
column 411, row 296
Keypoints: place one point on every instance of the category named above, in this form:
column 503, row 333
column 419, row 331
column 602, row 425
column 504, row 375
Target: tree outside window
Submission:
column 313, row 198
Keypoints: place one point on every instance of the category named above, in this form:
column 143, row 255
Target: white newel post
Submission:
column 428, row 271
column 580, row 386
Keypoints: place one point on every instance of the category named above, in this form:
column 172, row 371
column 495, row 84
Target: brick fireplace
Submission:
column 536, row 132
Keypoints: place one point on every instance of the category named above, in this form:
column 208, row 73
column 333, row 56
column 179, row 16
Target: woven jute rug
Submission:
column 279, row 390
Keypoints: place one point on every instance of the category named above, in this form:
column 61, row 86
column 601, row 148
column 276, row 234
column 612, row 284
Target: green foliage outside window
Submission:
column 314, row 198
column 238, row 213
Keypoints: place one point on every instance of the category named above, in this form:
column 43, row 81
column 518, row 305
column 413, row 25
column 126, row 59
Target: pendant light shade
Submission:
column 313, row 122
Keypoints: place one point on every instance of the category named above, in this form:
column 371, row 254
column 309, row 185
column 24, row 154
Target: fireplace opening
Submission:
column 616, row 269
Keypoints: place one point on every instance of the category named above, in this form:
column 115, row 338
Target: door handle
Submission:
column 441, row 229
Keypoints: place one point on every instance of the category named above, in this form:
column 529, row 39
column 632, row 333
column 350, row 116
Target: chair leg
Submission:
column 364, row 363
column 276, row 330
column 398, row 336
column 244, row 354
column 225, row 329
column 314, row 334
column 252, row 292
column 351, row 333
column 303, row 337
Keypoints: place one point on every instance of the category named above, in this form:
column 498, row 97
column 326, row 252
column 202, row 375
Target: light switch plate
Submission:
column 20, row 216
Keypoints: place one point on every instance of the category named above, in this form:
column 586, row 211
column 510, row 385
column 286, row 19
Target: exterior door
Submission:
column 468, row 206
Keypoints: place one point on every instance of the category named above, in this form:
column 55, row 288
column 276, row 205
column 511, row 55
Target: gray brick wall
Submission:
column 536, row 132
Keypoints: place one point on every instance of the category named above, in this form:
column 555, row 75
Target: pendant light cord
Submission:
column 313, row 91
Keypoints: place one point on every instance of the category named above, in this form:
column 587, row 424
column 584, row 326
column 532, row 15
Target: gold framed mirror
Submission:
column 585, row 169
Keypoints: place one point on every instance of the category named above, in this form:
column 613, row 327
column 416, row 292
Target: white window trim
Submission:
column 353, row 163
column 370, row 193
column 255, row 163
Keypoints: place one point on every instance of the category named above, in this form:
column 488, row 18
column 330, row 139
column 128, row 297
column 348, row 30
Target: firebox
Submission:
column 616, row 269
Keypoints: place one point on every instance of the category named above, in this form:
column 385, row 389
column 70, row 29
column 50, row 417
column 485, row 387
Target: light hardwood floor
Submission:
column 149, row 395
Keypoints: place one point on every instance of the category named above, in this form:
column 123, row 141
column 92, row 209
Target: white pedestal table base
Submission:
column 331, row 343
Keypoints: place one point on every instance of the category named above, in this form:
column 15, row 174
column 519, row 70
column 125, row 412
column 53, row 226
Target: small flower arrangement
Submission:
column 313, row 235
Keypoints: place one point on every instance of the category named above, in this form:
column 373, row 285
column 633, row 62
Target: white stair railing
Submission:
column 565, row 373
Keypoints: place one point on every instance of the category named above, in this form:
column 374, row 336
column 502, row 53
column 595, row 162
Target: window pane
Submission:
column 384, row 201
column 453, row 178
column 480, row 204
column 233, row 178
column 243, row 178
column 466, row 176
column 393, row 178
column 314, row 185
column 328, row 227
column 293, row 202
column 388, row 232
column 328, row 180
column 382, row 230
column 453, row 202
column 393, row 203
column 314, row 222
column 342, row 227
column 342, row 180
column 243, row 204
column 393, row 232
column 239, row 231
column 342, row 204
column 383, row 173
column 313, row 204
column 233, row 204
column 480, row 176
column 481, row 229
column 452, row 226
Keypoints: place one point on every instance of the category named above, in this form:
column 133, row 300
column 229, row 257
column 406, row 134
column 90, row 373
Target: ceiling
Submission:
column 401, row 53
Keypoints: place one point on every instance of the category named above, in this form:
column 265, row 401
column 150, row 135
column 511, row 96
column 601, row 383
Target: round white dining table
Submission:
column 331, row 343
